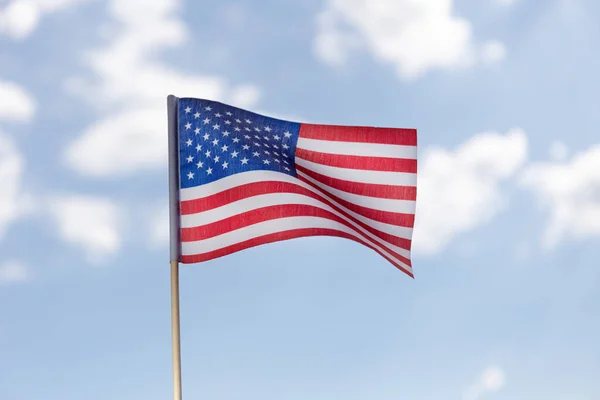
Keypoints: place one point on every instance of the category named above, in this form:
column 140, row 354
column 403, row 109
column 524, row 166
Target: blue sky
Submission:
column 506, row 295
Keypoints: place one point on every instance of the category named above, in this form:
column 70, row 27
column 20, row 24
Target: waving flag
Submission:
column 245, row 179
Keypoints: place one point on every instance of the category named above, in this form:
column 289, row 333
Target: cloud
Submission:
column 16, row 104
column 19, row 18
column 159, row 226
column 491, row 380
column 92, row 223
column 414, row 36
column 570, row 191
column 505, row 3
column 131, row 87
column 459, row 190
column 558, row 151
column 13, row 272
column 14, row 203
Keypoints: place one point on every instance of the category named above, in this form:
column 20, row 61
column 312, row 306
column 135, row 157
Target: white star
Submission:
column 200, row 164
column 224, row 148
column 248, row 129
column 207, row 153
column 191, row 175
column 266, row 162
column 206, row 136
column 275, row 146
column 285, row 146
column 197, row 131
column 218, row 115
column 207, row 108
column 256, row 154
column 237, row 129
column 197, row 115
column 256, row 144
column 266, row 138
column 228, row 122
column 245, row 147
column 285, row 155
column 266, row 145
column 287, row 134
column 238, row 121
column 244, row 161
column 206, row 121
column 286, row 168
column 257, row 137
column 277, row 137
column 189, row 142
column 216, row 126
column 248, row 121
column 226, row 133
column 285, row 161
column 199, row 147
column 188, row 125
column 247, row 137
column 234, row 154
column 209, row 171
column 257, row 129
column 225, row 164
column 215, row 142
column 229, row 113
column 267, row 152
column 216, row 158
column 190, row 159
column 277, row 161
column 267, row 129
column 235, row 140
column 276, row 153
column 187, row 109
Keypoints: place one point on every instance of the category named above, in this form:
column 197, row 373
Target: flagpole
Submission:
column 174, row 229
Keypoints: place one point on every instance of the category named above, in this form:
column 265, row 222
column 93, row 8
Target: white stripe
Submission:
column 269, row 227
column 252, row 203
column 232, row 181
column 361, row 175
column 390, row 205
column 263, row 176
column 358, row 149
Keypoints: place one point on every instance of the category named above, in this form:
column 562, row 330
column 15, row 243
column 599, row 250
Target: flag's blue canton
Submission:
column 217, row 140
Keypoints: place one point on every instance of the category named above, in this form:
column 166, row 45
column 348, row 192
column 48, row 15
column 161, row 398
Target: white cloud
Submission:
column 505, row 2
column 491, row 380
column 92, row 223
column 132, row 87
column 12, row 272
column 19, row 18
column 414, row 36
column 558, row 151
column 570, row 191
column 459, row 190
column 16, row 104
column 13, row 202
column 159, row 226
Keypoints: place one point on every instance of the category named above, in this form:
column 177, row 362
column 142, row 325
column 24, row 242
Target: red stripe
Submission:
column 257, row 188
column 280, row 236
column 269, row 213
column 359, row 162
column 407, row 137
column 364, row 189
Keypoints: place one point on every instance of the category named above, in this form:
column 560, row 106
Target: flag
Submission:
column 246, row 179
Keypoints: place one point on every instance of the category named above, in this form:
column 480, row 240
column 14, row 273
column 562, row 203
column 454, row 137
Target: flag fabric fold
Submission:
column 246, row 179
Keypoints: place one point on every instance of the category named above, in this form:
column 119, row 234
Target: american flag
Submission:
column 247, row 179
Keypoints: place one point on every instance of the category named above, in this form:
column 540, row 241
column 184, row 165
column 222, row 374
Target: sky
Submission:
column 505, row 96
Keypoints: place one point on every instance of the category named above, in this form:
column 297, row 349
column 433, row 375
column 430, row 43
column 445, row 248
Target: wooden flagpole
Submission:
column 175, row 335
column 175, row 249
